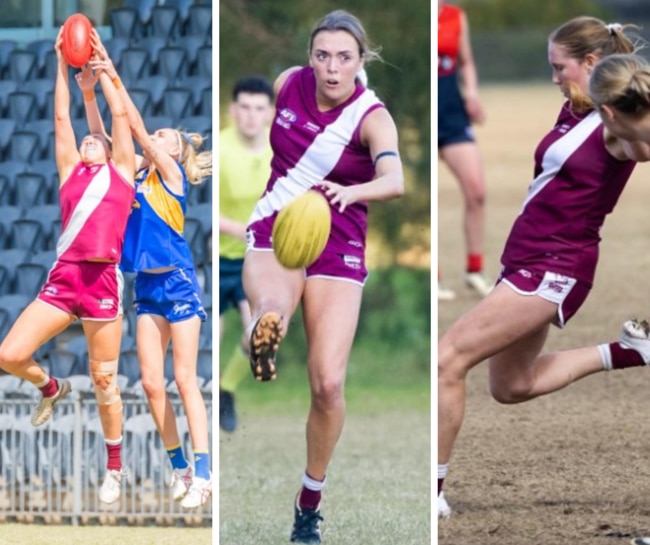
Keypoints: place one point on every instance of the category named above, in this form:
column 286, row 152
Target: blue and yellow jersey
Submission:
column 154, row 232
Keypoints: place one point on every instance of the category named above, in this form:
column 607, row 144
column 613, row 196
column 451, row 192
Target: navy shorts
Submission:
column 231, row 287
column 454, row 128
column 175, row 295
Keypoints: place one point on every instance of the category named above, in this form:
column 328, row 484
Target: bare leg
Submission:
column 153, row 335
column 36, row 325
column 331, row 311
column 465, row 162
column 495, row 323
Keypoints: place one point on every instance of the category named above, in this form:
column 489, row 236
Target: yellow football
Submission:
column 301, row 230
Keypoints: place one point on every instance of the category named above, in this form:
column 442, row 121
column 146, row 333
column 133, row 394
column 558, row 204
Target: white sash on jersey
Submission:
column 88, row 203
column 559, row 152
column 318, row 160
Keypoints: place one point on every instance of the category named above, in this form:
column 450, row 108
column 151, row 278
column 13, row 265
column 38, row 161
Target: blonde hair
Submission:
column 344, row 20
column 197, row 163
column 622, row 82
column 584, row 36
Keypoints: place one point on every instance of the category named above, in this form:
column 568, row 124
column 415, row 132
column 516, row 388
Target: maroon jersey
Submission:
column 95, row 204
column 577, row 183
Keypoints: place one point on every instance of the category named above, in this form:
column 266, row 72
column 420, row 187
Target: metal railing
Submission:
column 53, row 473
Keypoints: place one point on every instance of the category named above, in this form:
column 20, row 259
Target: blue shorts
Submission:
column 175, row 295
column 231, row 287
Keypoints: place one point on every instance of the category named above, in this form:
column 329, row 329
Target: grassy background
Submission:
column 32, row 534
column 379, row 480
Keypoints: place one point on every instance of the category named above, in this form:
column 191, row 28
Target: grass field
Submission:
column 25, row 534
column 571, row 467
column 378, row 484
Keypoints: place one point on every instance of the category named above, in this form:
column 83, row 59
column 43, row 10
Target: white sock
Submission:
column 43, row 382
column 605, row 356
column 313, row 484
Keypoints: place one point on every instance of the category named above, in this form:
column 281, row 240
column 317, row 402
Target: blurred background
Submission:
column 509, row 38
column 267, row 37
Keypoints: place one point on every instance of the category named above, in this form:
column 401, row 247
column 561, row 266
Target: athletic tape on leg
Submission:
column 104, row 377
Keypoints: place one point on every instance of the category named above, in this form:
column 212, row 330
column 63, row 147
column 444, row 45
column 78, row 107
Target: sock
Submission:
column 176, row 457
column 202, row 464
column 474, row 263
column 310, row 493
column 236, row 370
column 49, row 386
column 114, row 450
column 442, row 473
column 615, row 356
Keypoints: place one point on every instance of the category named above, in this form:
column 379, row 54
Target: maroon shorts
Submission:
column 569, row 293
column 88, row 290
column 339, row 264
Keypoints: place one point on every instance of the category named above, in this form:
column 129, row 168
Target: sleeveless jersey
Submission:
column 154, row 232
column 449, row 28
column 95, row 204
column 453, row 122
column 577, row 183
column 310, row 146
column 242, row 177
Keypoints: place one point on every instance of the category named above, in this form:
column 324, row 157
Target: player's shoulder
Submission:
column 283, row 77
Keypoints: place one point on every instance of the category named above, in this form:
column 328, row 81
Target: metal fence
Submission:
column 53, row 473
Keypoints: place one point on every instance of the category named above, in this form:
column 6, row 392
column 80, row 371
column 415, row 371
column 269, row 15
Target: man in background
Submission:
column 244, row 168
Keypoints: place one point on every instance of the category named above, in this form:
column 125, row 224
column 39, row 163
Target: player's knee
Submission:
column 12, row 357
column 327, row 392
column 104, row 378
column 507, row 392
column 451, row 367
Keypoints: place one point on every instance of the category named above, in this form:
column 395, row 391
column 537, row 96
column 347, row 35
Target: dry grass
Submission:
column 571, row 467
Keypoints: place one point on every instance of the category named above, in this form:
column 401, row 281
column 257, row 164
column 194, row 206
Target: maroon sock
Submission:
column 625, row 357
column 51, row 388
column 309, row 499
column 114, row 456
column 440, row 483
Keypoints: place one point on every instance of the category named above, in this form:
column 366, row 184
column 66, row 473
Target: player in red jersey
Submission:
column 456, row 143
column 96, row 193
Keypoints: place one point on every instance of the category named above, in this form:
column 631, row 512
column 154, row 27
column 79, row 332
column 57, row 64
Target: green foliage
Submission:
column 268, row 37
column 394, row 332
column 506, row 14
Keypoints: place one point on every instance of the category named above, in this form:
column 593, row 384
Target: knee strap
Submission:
column 104, row 377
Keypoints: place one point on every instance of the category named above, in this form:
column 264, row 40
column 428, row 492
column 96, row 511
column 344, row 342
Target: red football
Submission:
column 76, row 46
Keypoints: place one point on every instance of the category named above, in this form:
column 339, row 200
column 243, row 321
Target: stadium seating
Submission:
column 199, row 21
column 22, row 107
column 23, row 65
column 143, row 7
column 6, row 47
column 27, row 235
column 134, row 65
column 177, row 104
column 143, row 31
column 172, row 64
column 43, row 128
column 153, row 45
column 5, row 287
column 24, row 146
column 40, row 48
column 31, row 189
column 165, row 22
column 125, row 23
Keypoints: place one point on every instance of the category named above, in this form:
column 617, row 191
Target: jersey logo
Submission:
column 286, row 117
column 352, row 261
